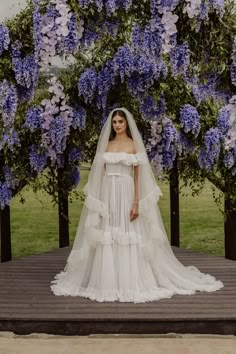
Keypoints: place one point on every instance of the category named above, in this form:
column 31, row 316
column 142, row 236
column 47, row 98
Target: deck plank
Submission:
column 28, row 305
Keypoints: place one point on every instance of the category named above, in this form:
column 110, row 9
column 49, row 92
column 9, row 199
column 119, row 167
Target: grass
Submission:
column 35, row 223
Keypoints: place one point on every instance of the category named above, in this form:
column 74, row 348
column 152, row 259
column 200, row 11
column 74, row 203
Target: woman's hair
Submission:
column 123, row 115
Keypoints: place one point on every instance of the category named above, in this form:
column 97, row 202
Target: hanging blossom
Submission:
column 52, row 31
column 37, row 158
column 203, row 91
column 8, row 103
column 152, row 111
column 192, row 8
column 87, row 84
column 180, row 59
column 5, row 194
column 139, row 70
column 229, row 124
column 185, row 145
column 73, row 40
column 162, row 145
column 154, row 147
column 233, row 65
column 57, row 119
column 4, row 38
column 190, row 119
column 10, row 180
column 79, row 118
column 168, row 21
column 148, row 40
column 209, row 154
column 34, row 118
column 105, row 80
column 26, row 72
column 110, row 6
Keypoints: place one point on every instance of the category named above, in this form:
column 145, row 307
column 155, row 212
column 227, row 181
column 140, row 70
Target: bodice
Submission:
column 119, row 163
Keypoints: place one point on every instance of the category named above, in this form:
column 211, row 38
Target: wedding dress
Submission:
column 115, row 259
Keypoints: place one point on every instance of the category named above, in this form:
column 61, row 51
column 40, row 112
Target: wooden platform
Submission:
column 27, row 304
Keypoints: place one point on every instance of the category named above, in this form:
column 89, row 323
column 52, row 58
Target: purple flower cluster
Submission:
column 169, row 140
column 11, row 139
column 55, row 137
column 185, row 145
column 233, row 65
column 57, row 117
column 10, row 179
column 202, row 16
column 223, row 120
column 5, row 194
column 8, row 103
column 148, row 41
column 140, row 71
column 4, row 38
column 180, row 59
column 26, row 69
column 79, row 118
column 209, row 154
column 110, row 6
column 137, row 69
column 123, row 62
column 74, row 155
column 152, row 111
column 87, row 84
column 162, row 146
column 74, row 176
column 72, row 40
column 105, row 80
column 160, row 6
column 38, row 159
column 33, row 119
column 230, row 159
column 190, row 119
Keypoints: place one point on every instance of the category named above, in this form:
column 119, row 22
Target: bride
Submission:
column 121, row 251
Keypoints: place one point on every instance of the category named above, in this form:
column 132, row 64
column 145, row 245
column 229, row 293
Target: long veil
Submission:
column 170, row 273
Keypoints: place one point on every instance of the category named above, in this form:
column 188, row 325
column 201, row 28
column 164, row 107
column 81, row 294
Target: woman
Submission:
column 121, row 251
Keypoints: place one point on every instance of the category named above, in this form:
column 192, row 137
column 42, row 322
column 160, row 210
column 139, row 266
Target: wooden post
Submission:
column 174, row 206
column 5, row 234
column 63, row 212
column 230, row 229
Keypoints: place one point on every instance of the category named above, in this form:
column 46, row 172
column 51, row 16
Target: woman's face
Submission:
column 119, row 124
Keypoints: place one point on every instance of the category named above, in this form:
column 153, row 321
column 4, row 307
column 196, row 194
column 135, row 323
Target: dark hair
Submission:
column 122, row 114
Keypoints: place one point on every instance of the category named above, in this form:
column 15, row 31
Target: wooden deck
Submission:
column 27, row 304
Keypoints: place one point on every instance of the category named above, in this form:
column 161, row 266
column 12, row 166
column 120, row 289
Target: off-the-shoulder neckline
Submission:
column 119, row 152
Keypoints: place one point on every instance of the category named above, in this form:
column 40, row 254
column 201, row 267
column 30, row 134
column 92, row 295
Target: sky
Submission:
column 9, row 8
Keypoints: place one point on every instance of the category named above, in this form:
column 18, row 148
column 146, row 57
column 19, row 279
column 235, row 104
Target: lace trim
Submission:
column 96, row 205
column 124, row 158
column 150, row 199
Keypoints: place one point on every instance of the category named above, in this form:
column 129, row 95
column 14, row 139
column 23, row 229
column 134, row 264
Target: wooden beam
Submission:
column 63, row 212
column 230, row 229
column 5, row 234
column 174, row 206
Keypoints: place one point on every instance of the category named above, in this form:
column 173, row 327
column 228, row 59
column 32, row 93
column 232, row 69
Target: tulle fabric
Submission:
column 126, row 261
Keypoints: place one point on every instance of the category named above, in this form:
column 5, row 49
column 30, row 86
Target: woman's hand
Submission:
column 134, row 211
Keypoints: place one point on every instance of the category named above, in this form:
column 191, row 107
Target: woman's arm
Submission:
column 134, row 211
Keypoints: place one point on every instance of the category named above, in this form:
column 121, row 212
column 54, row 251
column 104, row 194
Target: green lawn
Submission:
column 35, row 223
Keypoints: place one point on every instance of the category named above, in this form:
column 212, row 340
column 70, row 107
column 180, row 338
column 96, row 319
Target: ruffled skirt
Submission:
column 120, row 266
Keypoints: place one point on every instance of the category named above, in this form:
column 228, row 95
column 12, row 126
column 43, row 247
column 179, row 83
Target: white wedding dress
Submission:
column 125, row 264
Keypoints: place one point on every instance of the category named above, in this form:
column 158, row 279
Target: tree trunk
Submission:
column 230, row 229
column 5, row 234
column 174, row 206
column 63, row 212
